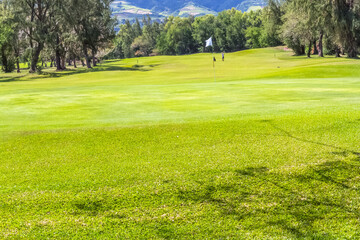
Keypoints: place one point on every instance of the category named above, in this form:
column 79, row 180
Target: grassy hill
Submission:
column 155, row 148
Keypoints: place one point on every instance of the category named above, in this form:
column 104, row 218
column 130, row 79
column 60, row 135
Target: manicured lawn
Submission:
column 154, row 148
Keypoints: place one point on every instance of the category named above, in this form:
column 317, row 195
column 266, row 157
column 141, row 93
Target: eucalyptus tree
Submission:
column 151, row 30
column 346, row 18
column 317, row 16
column 292, row 32
column 34, row 17
column 59, row 31
column 92, row 22
column 125, row 38
column 254, row 29
column 272, row 17
column 137, row 28
column 103, row 27
column 177, row 37
column 204, row 27
column 7, row 34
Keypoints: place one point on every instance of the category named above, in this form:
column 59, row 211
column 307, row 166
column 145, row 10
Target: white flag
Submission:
column 209, row 42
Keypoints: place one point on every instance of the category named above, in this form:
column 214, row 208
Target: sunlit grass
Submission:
column 155, row 148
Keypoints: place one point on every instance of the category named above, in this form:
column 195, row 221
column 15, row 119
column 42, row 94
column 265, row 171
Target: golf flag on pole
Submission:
column 209, row 42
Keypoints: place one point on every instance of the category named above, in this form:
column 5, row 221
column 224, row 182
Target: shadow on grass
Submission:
column 10, row 79
column 100, row 68
column 69, row 72
column 92, row 206
column 302, row 203
column 109, row 68
column 310, row 202
column 344, row 151
column 298, row 204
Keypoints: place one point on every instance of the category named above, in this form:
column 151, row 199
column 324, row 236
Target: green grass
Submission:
column 154, row 148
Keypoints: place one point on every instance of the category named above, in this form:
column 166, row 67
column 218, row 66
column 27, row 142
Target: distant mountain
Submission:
column 159, row 9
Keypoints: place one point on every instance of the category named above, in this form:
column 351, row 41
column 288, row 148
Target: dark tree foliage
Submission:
column 312, row 22
column 59, row 31
column 231, row 30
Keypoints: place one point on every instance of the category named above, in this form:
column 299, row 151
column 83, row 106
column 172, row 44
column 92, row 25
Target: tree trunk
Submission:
column 58, row 54
column 316, row 51
column 4, row 59
column 58, row 60
column 35, row 57
column 351, row 46
column 18, row 65
column 63, row 65
column 93, row 58
column 337, row 52
column 309, row 50
column 82, row 62
column 302, row 50
column 17, row 55
column 87, row 58
column 74, row 63
column 321, row 48
column 69, row 63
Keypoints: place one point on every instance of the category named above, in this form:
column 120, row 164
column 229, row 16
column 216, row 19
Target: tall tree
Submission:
column 204, row 27
column 126, row 36
column 7, row 34
column 177, row 37
column 346, row 19
column 272, row 16
column 92, row 22
column 35, row 19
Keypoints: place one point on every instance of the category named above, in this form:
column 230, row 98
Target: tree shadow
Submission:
column 90, row 206
column 344, row 151
column 69, row 72
column 100, row 68
column 297, row 203
column 293, row 203
column 11, row 79
column 307, row 202
column 111, row 60
column 110, row 68
column 63, row 73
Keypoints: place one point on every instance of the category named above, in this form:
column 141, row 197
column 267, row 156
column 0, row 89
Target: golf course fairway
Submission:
column 157, row 148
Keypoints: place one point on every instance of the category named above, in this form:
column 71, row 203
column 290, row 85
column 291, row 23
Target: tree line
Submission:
column 55, row 31
column 321, row 26
column 63, row 32
column 305, row 26
column 231, row 30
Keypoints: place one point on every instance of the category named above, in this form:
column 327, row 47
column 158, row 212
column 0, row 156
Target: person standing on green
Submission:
column 223, row 56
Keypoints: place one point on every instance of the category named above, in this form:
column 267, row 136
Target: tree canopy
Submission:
column 38, row 30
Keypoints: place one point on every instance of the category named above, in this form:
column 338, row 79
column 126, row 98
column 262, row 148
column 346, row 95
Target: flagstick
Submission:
column 208, row 44
column 212, row 48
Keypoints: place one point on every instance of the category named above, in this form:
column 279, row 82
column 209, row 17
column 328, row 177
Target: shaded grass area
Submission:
column 153, row 148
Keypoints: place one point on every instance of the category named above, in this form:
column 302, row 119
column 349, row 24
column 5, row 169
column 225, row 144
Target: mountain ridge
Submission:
column 159, row 9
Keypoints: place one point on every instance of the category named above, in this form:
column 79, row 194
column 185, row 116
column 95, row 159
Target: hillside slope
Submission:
column 159, row 9
column 215, row 5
